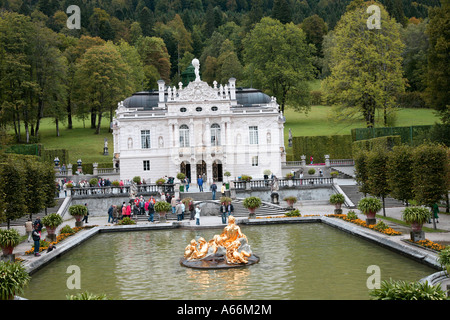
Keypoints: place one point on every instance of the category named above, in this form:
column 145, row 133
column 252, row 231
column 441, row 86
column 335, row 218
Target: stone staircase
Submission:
column 353, row 193
column 21, row 221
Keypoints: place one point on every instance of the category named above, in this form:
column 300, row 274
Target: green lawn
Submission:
column 83, row 143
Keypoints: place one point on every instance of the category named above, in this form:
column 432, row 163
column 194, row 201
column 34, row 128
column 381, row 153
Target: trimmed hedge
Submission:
column 336, row 146
column 409, row 135
column 387, row 142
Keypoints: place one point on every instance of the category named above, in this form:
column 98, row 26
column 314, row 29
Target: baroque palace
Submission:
column 198, row 130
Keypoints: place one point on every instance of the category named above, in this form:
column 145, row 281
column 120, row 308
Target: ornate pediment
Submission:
column 198, row 91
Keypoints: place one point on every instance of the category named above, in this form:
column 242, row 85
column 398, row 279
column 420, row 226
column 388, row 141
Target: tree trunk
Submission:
column 69, row 114
column 93, row 118
column 97, row 131
column 57, row 126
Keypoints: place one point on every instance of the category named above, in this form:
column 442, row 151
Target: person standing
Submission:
column 230, row 209
column 223, row 212
column 110, row 214
column 183, row 209
column 192, row 210
column 173, row 203
column 213, row 189
column 85, row 218
column 142, row 206
column 223, row 189
column 187, row 184
column 200, row 183
column 36, row 234
column 38, row 223
column 128, row 210
column 197, row 215
column 115, row 214
column 178, row 211
column 29, row 229
column 124, row 210
column 151, row 211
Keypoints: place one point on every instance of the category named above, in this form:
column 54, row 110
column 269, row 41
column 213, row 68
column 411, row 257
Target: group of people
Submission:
column 33, row 230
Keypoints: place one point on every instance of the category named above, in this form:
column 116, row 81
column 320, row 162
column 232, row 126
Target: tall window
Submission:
column 184, row 136
column 253, row 134
column 254, row 161
column 146, row 165
column 215, row 134
column 145, row 139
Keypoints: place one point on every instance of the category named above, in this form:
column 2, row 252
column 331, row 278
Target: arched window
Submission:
column 184, row 136
column 215, row 134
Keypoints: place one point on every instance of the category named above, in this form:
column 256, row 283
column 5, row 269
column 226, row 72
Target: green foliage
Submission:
column 13, row 279
column 162, row 206
column 293, row 213
column 380, row 226
column 225, row 199
column 377, row 172
column 337, row 198
column 387, row 142
column 93, row 182
column 77, row 210
column 419, row 215
column 137, row 180
column 336, row 146
column 245, row 177
column 52, row 220
column 126, row 221
column 9, row 238
column 87, row 296
column 444, row 258
column 67, row 229
column 291, row 199
column 181, row 176
column 361, row 172
column 402, row 290
column 252, row 202
column 311, row 171
column 409, row 135
column 352, row 215
column 369, row 204
column 430, row 172
column 399, row 168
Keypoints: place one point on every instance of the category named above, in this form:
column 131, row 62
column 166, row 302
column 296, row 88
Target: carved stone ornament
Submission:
column 198, row 91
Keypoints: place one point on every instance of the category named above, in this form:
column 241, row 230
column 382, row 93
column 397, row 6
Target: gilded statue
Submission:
column 230, row 245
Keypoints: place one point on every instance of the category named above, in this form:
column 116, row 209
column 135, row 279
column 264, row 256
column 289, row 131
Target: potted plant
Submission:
column 252, row 203
column 416, row 216
column 181, row 176
column 160, row 181
column 13, row 278
column 162, row 207
column 334, row 174
column 370, row 206
column 246, row 178
column 311, row 171
column 227, row 184
column 9, row 238
column 78, row 211
column 444, row 259
column 337, row 199
column 289, row 175
column 93, row 182
column 290, row 201
column 137, row 180
column 51, row 222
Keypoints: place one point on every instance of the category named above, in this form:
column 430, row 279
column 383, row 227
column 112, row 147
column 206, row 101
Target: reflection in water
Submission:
column 303, row 261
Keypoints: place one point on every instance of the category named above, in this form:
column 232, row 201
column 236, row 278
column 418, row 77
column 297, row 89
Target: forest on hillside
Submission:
column 125, row 46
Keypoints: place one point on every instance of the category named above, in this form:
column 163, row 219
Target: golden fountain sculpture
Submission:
column 225, row 250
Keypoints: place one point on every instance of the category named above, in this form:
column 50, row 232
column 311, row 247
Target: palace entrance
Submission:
column 185, row 167
column 201, row 170
column 217, row 171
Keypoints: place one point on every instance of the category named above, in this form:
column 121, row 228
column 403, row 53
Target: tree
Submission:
column 101, row 79
column 399, row 166
column 377, row 174
column 156, row 60
column 361, row 171
column 279, row 61
column 430, row 166
column 366, row 71
column 438, row 31
column 281, row 11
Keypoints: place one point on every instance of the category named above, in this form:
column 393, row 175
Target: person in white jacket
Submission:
column 197, row 215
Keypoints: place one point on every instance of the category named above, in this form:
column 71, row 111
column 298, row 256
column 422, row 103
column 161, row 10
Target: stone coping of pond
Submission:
column 394, row 243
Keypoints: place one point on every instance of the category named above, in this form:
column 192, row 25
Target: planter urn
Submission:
column 162, row 217
column 417, row 234
column 78, row 222
column 51, row 233
column 251, row 213
column 370, row 218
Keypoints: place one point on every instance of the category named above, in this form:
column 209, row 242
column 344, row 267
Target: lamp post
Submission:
column 56, row 161
column 79, row 162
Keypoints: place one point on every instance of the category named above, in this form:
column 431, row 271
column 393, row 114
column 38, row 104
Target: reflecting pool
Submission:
column 298, row 261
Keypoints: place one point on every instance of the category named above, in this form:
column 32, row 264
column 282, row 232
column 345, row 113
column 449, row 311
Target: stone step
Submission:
column 353, row 193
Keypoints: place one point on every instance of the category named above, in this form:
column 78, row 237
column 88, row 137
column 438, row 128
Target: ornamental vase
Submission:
column 7, row 250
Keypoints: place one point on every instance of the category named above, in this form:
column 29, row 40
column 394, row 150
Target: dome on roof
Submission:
column 249, row 97
column 146, row 100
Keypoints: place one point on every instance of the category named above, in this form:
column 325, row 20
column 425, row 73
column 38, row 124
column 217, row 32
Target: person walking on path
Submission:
column 435, row 212
column 36, row 238
column 29, row 229
column 222, row 190
column 197, row 215
column 200, row 183
column 187, row 184
column 110, row 214
column 85, row 218
column 213, row 189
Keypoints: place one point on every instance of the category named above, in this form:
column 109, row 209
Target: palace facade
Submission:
column 198, row 130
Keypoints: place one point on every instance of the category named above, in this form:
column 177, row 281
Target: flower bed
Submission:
column 380, row 227
column 44, row 244
column 428, row 244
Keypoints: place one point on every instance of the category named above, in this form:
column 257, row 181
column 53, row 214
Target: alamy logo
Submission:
column 74, row 280
column 74, row 21
column 374, row 21
column 374, row 280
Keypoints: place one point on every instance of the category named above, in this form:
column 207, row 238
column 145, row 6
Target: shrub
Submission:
column 160, row 181
column 52, row 220
column 402, row 290
column 380, row 226
column 66, row 229
column 77, row 210
column 162, row 206
column 115, row 183
column 252, row 202
column 93, row 182
column 337, row 198
column 87, row 296
column 351, row 215
column 291, row 199
column 289, row 175
column 293, row 213
column 311, row 171
column 369, row 204
column 13, row 278
column 416, row 214
column 137, row 180
column 246, row 178
column 126, row 221
column 444, row 259
column 181, row 176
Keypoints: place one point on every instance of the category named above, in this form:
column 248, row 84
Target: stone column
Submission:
column 69, row 170
column 327, row 161
column 95, row 169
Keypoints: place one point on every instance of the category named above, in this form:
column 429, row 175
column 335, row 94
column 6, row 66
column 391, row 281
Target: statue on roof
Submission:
column 196, row 64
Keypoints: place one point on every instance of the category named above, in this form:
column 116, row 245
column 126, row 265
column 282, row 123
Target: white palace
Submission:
column 198, row 130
